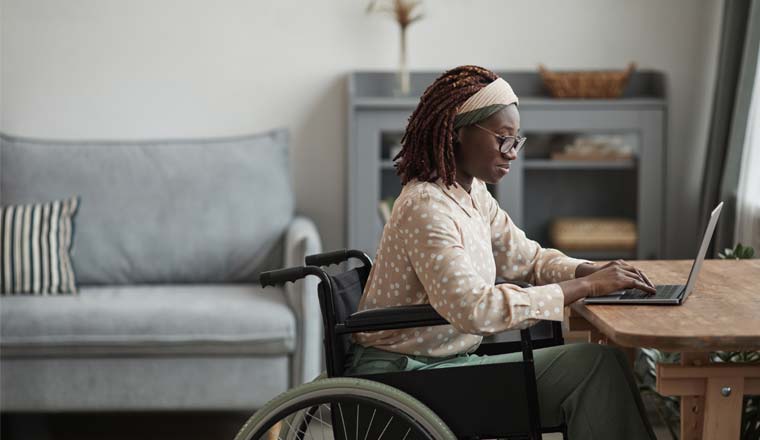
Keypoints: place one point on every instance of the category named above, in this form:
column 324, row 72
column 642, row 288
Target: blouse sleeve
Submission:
column 519, row 258
column 434, row 247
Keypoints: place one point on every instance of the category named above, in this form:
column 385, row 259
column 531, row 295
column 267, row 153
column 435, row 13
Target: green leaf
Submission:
column 740, row 252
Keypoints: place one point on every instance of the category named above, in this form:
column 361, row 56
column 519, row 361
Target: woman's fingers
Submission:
column 632, row 272
column 638, row 284
column 646, row 279
column 646, row 287
column 639, row 273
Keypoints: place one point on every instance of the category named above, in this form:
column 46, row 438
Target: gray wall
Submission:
column 171, row 68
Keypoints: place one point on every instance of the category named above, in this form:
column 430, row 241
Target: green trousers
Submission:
column 588, row 387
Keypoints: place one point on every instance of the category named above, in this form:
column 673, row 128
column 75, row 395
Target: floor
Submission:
column 116, row 426
column 143, row 426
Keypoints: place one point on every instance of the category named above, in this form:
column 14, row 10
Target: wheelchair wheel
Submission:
column 344, row 409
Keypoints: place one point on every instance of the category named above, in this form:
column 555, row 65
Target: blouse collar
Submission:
column 462, row 198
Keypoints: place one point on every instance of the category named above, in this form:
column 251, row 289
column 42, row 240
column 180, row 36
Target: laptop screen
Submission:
column 703, row 248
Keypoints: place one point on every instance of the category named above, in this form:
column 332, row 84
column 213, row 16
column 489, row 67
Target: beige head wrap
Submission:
column 487, row 101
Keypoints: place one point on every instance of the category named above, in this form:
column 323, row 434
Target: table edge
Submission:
column 668, row 343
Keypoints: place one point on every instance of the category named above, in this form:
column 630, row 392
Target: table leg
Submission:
column 693, row 407
column 630, row 353
column 712, row 394
column 577, row 324
column 723, row 407
column 274, row 431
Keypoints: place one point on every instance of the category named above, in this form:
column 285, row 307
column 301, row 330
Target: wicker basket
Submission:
column 592, row 233
column 586, row 84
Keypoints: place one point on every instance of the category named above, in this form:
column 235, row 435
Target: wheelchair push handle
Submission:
column 282, row 276
column 292, row 274
column 337, row 257
column 327, row 258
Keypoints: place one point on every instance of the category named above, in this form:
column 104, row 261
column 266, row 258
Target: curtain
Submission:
column 747, row 230
column 737, row 64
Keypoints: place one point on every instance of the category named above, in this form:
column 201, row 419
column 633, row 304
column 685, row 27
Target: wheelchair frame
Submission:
column 475, row 401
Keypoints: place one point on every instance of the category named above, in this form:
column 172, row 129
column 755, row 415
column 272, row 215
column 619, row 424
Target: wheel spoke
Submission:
column 407, row 433
column 298, row 431
column 370, row 423
column 340, row 408
column 319, row 418
column 386, row 427
column 308, row 424
column 356, row 436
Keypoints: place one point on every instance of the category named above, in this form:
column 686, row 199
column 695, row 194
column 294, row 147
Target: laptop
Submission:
column 671, row 294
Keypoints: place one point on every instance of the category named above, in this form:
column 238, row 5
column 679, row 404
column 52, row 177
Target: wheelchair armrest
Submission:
column 387, row 318
column 500, row 280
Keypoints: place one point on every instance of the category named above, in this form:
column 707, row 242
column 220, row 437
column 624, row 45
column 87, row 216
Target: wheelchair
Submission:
column 463, row 402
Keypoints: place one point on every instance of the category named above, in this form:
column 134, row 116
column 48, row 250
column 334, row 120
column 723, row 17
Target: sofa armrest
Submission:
column 302, row 239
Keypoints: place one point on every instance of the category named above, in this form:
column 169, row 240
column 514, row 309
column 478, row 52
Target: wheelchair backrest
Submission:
column 337, row 305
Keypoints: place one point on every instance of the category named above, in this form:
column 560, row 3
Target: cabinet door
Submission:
column 540, row 188
column 368, row 174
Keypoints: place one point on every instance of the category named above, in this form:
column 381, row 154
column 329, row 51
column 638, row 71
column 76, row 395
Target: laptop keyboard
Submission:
column 663, row 292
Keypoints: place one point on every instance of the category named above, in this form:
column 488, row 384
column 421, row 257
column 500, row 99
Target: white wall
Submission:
column 177, row 68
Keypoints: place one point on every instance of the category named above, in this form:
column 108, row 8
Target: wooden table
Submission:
column 721, row 314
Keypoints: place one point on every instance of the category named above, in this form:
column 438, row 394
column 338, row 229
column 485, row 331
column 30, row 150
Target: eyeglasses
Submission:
column 507, row 143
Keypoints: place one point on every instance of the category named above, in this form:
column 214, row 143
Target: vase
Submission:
column 403, row 78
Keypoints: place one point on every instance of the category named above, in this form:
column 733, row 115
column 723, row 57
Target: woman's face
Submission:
column 477, row 152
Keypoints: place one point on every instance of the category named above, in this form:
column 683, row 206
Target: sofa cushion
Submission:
column 153, row 320
column 179, row 211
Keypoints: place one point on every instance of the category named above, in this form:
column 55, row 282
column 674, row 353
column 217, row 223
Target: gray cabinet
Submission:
column 537, row 189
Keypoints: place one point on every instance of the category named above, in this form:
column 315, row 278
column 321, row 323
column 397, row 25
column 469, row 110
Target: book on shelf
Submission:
column 593, row 234
column 595, row 148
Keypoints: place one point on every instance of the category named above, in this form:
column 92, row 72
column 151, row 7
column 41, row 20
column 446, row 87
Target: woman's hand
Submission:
column 618, row 275
column 595, row 280
column 586, row 269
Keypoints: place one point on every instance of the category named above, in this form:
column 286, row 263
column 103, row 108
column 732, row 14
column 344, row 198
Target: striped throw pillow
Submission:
column 35, row 246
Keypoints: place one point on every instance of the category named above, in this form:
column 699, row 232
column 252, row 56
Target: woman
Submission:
column 446, row 242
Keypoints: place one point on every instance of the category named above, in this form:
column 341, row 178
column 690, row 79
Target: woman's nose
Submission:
column 511, row 154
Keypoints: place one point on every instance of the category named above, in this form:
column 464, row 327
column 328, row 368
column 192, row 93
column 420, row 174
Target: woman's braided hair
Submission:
column 428, row 142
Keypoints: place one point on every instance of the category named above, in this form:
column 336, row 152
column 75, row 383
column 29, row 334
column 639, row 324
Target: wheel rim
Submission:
column 334, row 417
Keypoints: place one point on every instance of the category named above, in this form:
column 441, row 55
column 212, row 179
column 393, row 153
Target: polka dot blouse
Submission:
column 445, row 246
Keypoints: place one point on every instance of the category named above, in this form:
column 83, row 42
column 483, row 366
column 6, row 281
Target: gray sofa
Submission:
column 168, row 242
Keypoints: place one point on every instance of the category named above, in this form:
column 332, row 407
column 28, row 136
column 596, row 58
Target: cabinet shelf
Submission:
column 538, row 189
